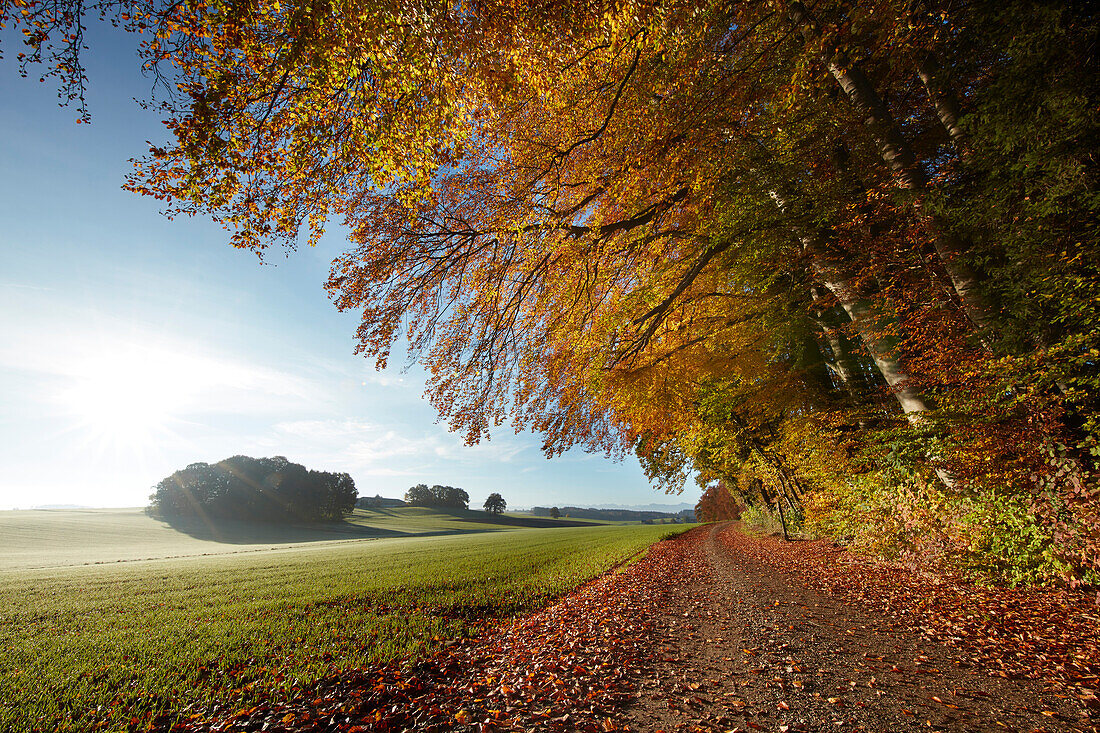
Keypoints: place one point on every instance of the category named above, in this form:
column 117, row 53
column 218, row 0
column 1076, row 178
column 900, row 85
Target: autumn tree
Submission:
column 717, row 504
column 815, row 252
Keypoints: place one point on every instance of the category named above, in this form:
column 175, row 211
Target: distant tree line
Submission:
column 614, row 515
column 259, row 489
column 437, row 496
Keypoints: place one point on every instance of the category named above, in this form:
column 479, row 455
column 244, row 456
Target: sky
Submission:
column 131, row 345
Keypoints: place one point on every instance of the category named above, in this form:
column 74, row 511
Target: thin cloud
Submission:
column 363, row 445
column 384, row 380
column 25, row 286
column 190, row 379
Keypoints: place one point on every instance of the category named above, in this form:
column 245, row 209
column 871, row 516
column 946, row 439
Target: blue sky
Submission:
column 131, row 345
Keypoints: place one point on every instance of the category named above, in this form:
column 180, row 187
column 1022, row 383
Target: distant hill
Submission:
column 663, row 508
column 39, row 507
column 668, row 508
column 614, row 515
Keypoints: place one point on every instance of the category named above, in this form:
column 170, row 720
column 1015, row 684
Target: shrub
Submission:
column 991, row 538
column 1007, row 544
column 761, row 519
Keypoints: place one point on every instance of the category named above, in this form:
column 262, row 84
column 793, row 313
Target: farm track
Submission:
column 746, row 647
column 694, row 636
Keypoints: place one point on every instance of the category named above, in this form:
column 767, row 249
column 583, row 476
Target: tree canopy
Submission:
column 717, row 503
column 438, row 496
column 841, row 258
column 255, row 489
column 495, row 503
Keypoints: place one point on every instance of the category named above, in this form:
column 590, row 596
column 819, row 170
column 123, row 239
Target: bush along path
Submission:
column 714, row 631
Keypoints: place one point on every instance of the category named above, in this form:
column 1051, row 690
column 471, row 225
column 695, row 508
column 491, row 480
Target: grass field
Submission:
column 93, row 635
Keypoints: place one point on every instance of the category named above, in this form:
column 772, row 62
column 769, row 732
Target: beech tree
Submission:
column 717, row 504
column 818, row 253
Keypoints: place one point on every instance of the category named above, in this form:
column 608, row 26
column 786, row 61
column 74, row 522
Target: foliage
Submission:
column 1038, row 633
column 1008, row 545
column 437, row 496
column 717, row 504
column 991, row 538
column 555, row 513
column 828, row 256
column 765, row 520
column 495, row 503
column 89, row 645
column 260, row 489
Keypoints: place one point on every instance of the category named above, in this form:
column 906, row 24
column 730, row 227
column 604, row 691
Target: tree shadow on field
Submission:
column 239, row 532
column 470, row 515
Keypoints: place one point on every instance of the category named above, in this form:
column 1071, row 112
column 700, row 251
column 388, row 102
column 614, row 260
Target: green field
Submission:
column 109, row 616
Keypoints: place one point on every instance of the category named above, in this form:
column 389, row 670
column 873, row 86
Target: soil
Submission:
column 746, row 647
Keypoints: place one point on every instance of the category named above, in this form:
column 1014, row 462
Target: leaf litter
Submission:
column 568, row 667
column 598, row 660
column 1047, row 634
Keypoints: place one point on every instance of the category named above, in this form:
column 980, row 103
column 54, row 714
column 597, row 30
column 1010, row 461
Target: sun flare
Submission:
column 126, row 398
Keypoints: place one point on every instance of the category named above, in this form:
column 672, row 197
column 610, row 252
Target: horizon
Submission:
column 133, row 345
column 522, row 508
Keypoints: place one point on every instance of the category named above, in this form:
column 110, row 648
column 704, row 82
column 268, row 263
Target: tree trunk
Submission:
column 867, row 325
column 943, row 101
column 842, row 366
column 767, row 496
column 898, row 155
column 819, row 373
column 782, row 520
column 873, row 329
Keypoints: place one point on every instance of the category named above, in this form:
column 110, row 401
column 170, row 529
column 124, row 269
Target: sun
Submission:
column 126, row 398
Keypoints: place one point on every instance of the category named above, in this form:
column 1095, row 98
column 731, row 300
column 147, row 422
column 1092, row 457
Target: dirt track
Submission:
column 744, row 647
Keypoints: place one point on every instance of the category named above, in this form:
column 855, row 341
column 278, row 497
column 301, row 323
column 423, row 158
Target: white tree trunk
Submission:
column 872, row 328
column 898, row 155
column 943, row 101
column 842, row 367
